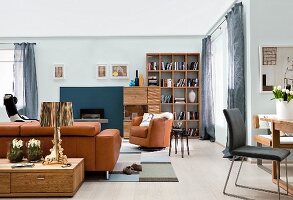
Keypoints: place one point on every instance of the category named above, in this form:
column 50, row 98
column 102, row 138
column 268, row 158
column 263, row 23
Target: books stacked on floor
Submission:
column 192, row 132
column 193, row 66
column 191, row 115
column 152, row 66
column 181, row 116
column 166, row 98
column 181, row 82
column 179, row 100
column 153, row 80
column 192, row 82
column 179, row 66
column 166, row 66
column 166, row 82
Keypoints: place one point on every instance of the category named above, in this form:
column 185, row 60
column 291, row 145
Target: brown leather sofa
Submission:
column 100, row 149
column 156, row 135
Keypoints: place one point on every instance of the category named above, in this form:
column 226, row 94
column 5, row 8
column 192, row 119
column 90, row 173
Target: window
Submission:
column 220, row 80
column 6, row 73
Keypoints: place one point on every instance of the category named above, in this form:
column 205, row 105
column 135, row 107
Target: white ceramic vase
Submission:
column 191, row 96
column 284, row 109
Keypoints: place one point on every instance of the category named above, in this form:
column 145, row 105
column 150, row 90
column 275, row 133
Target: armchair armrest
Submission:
column 136, row 121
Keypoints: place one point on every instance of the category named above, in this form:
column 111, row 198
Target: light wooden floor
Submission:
column 201, row 176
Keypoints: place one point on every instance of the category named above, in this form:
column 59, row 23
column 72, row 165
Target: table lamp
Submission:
column 56, row 114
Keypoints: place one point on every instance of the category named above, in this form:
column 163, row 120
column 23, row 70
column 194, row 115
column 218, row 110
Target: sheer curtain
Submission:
column 25, row 83
column 220, row 80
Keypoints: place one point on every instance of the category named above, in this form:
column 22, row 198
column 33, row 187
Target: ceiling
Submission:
column 43, row 18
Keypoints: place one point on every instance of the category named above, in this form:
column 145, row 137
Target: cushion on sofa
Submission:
column 10, row 128
column 78, row 129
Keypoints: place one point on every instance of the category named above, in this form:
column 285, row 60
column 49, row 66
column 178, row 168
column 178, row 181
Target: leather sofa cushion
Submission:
column 78, row 129
column 138, row 131
column 10, row 128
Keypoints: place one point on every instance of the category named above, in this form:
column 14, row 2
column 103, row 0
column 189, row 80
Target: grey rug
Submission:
column 156, row 166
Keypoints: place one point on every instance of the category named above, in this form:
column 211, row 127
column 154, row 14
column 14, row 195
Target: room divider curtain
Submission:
column 25, row 84
column 236, row 69
column 207, row 122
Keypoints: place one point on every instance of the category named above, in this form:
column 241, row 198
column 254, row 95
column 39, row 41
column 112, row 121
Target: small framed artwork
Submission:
column 59, row 71
column 119, row 71
column 101, row 71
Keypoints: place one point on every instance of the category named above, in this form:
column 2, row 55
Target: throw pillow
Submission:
column 147, row 117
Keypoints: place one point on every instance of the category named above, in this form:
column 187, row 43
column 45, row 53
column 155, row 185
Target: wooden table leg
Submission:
column 275, row 144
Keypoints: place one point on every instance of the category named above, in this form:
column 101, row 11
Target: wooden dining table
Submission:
column 277, row 126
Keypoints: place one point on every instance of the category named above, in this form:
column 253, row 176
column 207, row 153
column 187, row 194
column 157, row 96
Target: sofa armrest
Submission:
column 136, row 121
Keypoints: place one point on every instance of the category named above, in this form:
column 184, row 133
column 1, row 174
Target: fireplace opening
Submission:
column 92, row 114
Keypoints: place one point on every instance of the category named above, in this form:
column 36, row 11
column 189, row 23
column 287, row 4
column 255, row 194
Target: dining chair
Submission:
column 237, row 147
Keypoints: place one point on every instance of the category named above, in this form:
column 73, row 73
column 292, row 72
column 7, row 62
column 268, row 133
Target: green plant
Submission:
column 15, row 153
column 34, row 151
column 282, row 94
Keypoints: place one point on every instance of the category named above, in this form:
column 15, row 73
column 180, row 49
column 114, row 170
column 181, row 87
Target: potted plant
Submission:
column 34, row 151
column 284, row 105
column 15, row 153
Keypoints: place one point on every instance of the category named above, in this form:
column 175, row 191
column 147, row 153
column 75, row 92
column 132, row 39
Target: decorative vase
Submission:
column 191, row 96
column 284, row 110
column 136, row 80
column 15, row 155
column 141, row 80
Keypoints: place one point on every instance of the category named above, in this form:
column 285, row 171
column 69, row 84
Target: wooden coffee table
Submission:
column 41, row 180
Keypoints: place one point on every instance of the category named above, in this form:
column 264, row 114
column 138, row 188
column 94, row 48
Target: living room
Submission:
column 180, row 62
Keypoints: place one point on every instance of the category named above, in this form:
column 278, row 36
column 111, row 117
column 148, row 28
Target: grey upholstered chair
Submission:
column 237, row 147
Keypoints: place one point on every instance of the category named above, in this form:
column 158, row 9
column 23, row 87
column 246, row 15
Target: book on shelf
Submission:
column 179, row 100
column 181, row 82
column 166, row 66
column 166, row 98
column 181, row 116
column 174, row 116
column 152, row 66
column 153, row 80
column 166, row 82
column 179, row 66
column 192, row 82
column 193, row 132
column 193, row 66
column 191, row 115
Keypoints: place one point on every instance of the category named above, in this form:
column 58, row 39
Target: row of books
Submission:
column 153, row 80
column 181, row 82
column 177, row 66
column 152, row 66
column 192, row 82
column 191, row 115
column 166, row 98
column 192, row 132
column 166, row 82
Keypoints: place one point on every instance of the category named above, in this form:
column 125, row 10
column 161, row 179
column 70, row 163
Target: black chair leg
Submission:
column 182, row 146
column 176, row 142
column 170, row 146
column 239, row 172
column 278, row 179
column 187, row 144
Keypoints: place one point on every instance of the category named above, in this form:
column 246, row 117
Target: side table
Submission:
column 41, row 180
column 179, row 133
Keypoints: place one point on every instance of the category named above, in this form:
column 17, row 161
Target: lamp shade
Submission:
column 56, row 114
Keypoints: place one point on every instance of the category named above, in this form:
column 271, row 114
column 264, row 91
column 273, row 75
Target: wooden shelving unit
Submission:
column 162, row 66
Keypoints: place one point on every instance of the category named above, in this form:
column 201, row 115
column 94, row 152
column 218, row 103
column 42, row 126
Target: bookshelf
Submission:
column 177, row 74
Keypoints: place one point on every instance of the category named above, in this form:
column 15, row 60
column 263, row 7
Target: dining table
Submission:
column 278, row 126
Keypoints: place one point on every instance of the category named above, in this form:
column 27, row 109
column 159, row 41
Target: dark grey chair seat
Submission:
column 266, row 153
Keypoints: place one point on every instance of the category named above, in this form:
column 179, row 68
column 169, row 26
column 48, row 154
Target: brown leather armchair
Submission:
column 156, row 135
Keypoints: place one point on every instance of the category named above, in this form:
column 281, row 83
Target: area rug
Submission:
column 156, row 166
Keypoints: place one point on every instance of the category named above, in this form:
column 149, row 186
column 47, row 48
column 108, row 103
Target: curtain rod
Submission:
column 14, row 43
column 221, row 20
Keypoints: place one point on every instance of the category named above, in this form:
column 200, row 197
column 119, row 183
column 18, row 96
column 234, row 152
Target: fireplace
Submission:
column 92, row 114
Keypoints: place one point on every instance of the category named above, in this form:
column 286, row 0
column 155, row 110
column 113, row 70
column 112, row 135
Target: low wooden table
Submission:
column 41, row 180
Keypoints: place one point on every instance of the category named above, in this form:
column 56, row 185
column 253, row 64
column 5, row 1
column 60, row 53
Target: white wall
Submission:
column 269, row 24
column 35, row 18
column 79, row 55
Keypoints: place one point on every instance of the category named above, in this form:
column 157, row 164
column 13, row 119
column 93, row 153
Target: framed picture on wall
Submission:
column 119, row 71
column 276, row 67
column 58, row 71
column 101, row 71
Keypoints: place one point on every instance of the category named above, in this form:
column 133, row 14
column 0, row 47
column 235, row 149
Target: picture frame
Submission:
column 276, row 67
column 119, row 71
column 101, row 71
column 58, row 71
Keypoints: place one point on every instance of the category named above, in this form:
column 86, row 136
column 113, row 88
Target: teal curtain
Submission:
column 25, row 86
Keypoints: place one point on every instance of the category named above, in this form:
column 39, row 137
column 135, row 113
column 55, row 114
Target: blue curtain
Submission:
column 207, row 122
column 236, row 69
column 26, row 88
column 236, row 76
